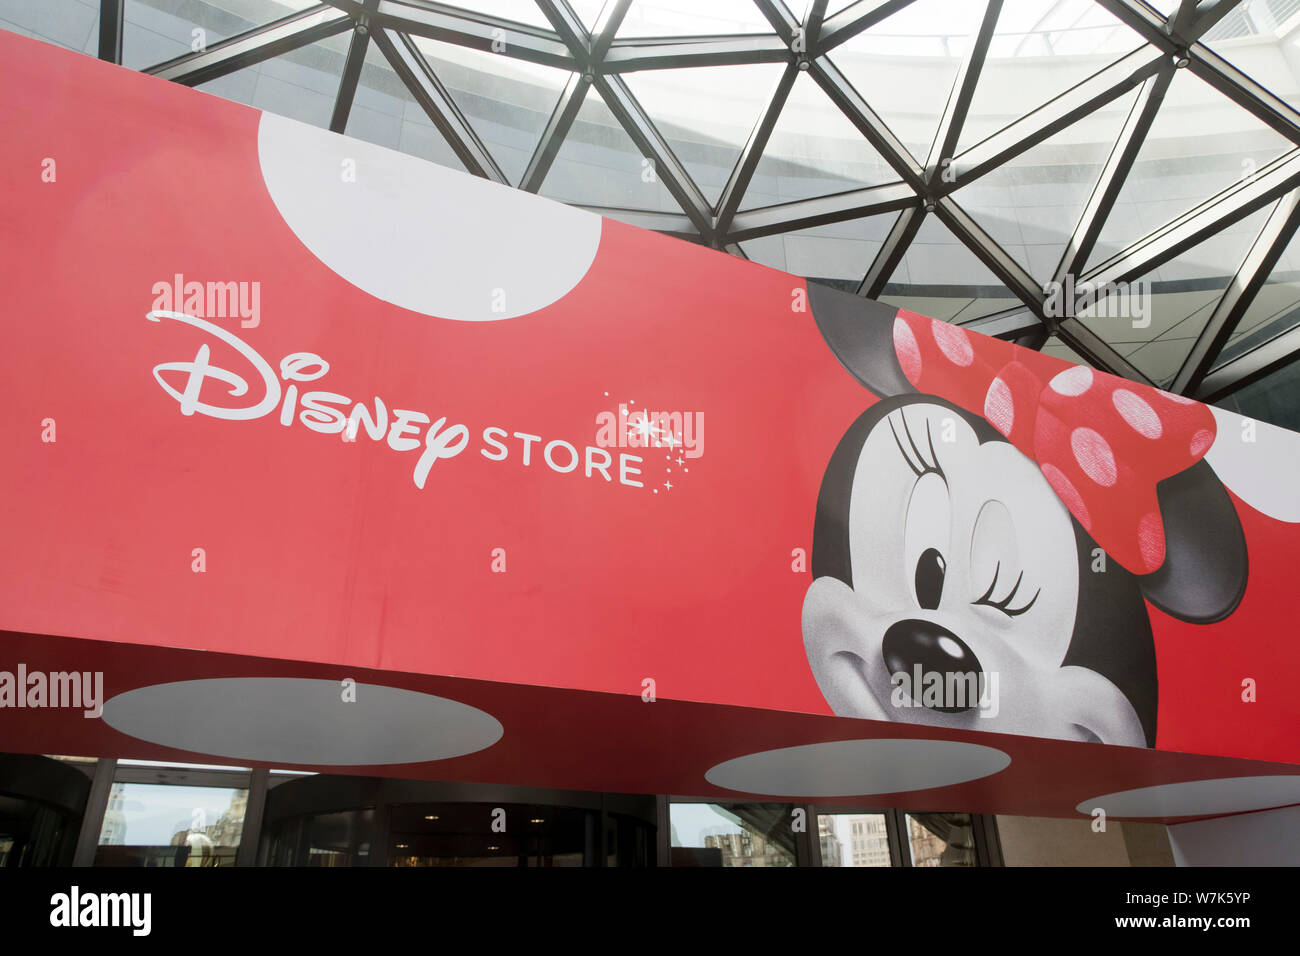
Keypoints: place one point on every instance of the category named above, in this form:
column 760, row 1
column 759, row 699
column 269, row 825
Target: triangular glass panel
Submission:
column 1040, row 49
column 814, row 151
column 385, row 113
column 1200, row 144
column 1154, row 320
column 1031, row 204
column 1058, row 349
column 520, row 11
column 680, row 18
column 943, row 279
column 507, row 101
column 72, row 24
column 905, row 65
column 599, row 165
column 838, row 254
column 155, row 31
column 301, row 84
column 1274, row 310
column 1259, row 39
column 706, row 114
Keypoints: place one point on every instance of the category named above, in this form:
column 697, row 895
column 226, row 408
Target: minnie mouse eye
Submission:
column 930, row 569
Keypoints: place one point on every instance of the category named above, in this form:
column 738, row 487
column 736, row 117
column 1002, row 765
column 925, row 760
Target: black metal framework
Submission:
column 599, row 58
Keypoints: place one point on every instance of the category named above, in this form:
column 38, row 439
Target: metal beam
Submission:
column 963, row 91
column 476, row 31
column 813, row 17
column 1114, row 173
column 670, row 223
column 1011, row 273
column 782, row 20
column 1212, row 216
column 891, row 251
column 752, row 152
column 820, row 211
column 1250, row 367
column 1097, row 351
column 111, row 25
column 436, row 101
column 274, row 39
column 1255, row 269
column 557, row 128
column 608, row 21
column 351, row 74
column 1148, row 24
column 1252, row 96
column 852, row 105
column 676, row 54
column 652, row 144
column 570, row 28
column 853, row 19
column 1013, row 324
column 1114, row 81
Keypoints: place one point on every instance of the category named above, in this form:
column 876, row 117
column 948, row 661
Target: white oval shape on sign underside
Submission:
column 418, row 235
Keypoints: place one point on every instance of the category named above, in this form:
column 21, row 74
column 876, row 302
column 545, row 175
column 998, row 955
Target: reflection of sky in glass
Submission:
column 154, row 813
column 692, row 822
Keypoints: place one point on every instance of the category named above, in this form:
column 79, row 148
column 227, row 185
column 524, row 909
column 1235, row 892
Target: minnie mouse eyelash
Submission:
column 1004, row 605
column 920, row 467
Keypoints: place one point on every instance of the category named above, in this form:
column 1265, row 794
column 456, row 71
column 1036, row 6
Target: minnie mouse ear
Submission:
column 1203, row 577
column 861, row 334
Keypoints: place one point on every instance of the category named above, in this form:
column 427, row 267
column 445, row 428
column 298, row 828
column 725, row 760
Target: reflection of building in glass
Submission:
column 869, row 840
column 832, row 849
column 747, row 849
column 927, row 848
column 114, row 829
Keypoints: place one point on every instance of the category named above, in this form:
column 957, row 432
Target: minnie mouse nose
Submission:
column 938, row 670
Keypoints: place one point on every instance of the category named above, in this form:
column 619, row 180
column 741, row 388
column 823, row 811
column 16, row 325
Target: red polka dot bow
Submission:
column 1101, row 442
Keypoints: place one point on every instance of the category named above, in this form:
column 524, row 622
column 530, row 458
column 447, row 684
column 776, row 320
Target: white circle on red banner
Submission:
column 848, row 768
column 288, row 720
column 1199, row 798
column 421, row 236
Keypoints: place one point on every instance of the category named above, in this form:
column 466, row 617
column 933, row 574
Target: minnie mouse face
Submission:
column 962, row 561
column 952, row 584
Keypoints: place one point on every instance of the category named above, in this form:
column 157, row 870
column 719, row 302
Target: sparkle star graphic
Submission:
column 670, row 441
column 645, row 428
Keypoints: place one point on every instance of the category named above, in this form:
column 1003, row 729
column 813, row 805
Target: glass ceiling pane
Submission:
column 706, row 114
column 1200, row 144
column 300, row 84
column 1275, row 308
column 905, row 65
column 1040, row 49
column 155, row 31
column 72, row 24
column 385, row 113
column 837, row 255
column 674, row 18
column 1058, row 349
column 521, row 11
column 507, row 101
column 941, row 278
column 814, row 151
column 587, row 10
column 1259, row 38
column 1154, row 321
column 598, row 164
column 1031, row 204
